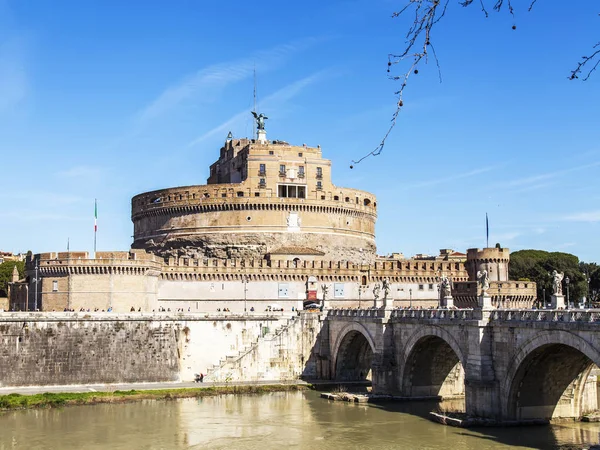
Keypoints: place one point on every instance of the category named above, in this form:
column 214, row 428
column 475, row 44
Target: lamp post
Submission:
column 544, row 291
column 589, row 297
column 500, row 302
column 36, row 281
column 567, row 283
column 410, row 292
column 359, row 295
column 245, row 291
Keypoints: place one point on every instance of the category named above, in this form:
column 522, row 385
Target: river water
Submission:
column 278, row 420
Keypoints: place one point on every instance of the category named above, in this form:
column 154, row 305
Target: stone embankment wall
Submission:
column 67, row 348
column 284, row 353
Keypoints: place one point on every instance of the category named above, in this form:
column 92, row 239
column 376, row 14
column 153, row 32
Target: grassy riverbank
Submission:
column 53, row 400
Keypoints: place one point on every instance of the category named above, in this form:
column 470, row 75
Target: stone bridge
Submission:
column 508, row 364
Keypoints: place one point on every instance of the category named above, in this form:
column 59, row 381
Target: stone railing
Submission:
column 355, row 313
column 445, row 314
column 545, row 315
column 161, row 316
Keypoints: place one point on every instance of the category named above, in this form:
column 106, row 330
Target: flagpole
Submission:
column 95, row 224
column 487, row 232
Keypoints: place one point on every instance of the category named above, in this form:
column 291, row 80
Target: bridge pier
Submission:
column 482, row 399
column 516, row 364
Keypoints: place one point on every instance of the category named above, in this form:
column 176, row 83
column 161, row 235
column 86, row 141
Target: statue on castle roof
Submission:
column 557, row 278
column 484, row 281
column 260, row 120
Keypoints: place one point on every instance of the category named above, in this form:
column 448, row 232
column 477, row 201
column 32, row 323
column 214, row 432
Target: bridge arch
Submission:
column 547, row 376
column 353, row 353
column 432, row 364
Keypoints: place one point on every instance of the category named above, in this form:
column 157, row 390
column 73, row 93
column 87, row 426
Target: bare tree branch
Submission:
column 418, row 42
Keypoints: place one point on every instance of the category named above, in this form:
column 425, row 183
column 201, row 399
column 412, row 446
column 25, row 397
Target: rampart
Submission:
column 71, row 348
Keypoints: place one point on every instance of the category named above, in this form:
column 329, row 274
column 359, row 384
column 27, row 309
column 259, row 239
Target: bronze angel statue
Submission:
column 260, row 120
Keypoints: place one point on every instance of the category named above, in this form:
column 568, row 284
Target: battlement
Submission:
column 395, row 271
column 224, row 197
column 489, row 254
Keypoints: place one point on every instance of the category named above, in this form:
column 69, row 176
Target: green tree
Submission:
column 6, row 270
column 537, row 265
column 592, row 273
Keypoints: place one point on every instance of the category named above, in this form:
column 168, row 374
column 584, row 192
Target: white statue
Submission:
column 483, row 281
column 557, row 282
column 376, row 291
column 386, row 288
column 325, row 289
column 446, row 288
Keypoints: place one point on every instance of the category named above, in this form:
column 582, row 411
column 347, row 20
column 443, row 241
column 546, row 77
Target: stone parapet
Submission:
column 24, row 317
column 409, row 271
column 509, row 294
column 225, row 197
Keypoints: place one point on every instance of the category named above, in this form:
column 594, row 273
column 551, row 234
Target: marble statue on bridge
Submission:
column 557, row 282
column 376, row 290
column 446, row 289
column 484, row 281
column 386, row 288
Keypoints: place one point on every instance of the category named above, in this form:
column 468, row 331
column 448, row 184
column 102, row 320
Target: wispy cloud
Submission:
column 32, row 215
column 565, row 245
column 80, row 172
column 45, row 199
column 218, row 76
column 14, row 82
column 272, row 101
column 544, row 177
column 508, row 236
column 585, row 216
column 455, row 177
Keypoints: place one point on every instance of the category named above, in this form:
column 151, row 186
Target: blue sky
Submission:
column 109, row 99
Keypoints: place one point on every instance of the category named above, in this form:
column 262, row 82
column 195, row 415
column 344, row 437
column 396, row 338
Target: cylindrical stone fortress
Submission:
column 261, row 197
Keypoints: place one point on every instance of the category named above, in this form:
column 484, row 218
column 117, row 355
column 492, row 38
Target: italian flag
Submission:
column 95, row 215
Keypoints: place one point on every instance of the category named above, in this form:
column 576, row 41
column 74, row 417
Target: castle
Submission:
column 269, row 230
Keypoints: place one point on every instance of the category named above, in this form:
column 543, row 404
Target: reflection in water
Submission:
column 287, row 419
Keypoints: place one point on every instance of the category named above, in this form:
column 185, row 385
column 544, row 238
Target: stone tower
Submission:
column 494, row 260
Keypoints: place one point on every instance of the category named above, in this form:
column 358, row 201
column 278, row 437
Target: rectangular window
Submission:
column 431, row 287
column 54, row 286
column 283, row 290
column 338, row 290
column 262, row 170
column 319, row 185
column 282, row 169
column 319, row 172
column 301, row 172
column 270, row 152
column 420, row 287
column 262, row 182
column 291, row 191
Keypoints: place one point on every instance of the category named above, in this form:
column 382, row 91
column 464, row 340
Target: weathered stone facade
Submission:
column 124, row 280
column 68, row 348
column 261, row 196
column 509, row 365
